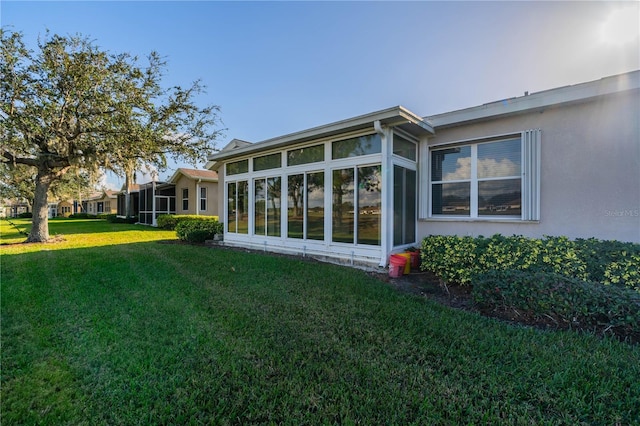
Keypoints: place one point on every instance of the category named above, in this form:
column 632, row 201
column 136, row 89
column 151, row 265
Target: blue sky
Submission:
column 279, row 67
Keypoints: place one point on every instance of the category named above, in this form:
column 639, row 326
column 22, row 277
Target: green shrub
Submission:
column 455, row 259
column 170, row 221
column 112, row 218
column 569, row 301
column 83, row 216
column 198, row 231
column 25, row 215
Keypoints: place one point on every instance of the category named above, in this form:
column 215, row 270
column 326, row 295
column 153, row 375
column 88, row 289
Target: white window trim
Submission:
column 530, row 143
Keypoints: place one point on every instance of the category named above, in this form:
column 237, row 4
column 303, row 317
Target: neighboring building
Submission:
column 559, row 162
column 14, row 208
column 105, row 202
column 134, row 193
column 156, row 198
column 65, row 208
column 196, row 191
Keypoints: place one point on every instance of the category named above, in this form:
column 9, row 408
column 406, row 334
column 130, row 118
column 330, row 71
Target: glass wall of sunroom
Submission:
column 326, row 197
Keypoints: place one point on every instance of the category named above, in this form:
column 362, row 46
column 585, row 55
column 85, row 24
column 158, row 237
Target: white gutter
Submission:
column 198, row 197
column 387, row 200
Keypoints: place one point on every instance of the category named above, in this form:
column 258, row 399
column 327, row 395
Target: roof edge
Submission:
column 568, row 94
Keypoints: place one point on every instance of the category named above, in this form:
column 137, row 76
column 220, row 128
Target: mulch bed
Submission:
column 426, row 284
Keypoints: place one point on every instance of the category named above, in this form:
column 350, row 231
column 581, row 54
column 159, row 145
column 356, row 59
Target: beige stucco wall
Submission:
column 590, row 171
column 191, row 184
column 92, row 205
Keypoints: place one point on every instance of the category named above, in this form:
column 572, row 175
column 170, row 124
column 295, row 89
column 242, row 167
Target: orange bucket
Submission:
column 397, row 264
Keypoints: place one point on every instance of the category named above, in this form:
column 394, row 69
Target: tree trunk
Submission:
column 128, row 205
column 40, row 222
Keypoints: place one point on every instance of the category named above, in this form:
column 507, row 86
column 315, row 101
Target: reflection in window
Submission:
column 308, row 154
column 266, row 162
column 295, row 204
column 451, row 164
column 490, row 171
column 231, row 207
column 237, row 167
column 451, row 198
column 343, row 204
column 367, row 199
column 315, row 206
column 363, row 145
column 310, row 219
column 267, row 206
column 404, row 147
column 369, row 204
column 238, row 207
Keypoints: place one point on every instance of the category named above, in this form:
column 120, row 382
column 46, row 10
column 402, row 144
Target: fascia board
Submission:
column 569, row 94
column 390, row 116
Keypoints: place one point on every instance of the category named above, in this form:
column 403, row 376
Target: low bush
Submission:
column 83, row 216
column 25, row 215
column 198, row 231
column 456, row 259
column 170, row 221
column 112, row 218
column 569, row 301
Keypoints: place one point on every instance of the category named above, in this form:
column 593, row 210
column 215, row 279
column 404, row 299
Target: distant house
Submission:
column 134, row 191
column 105, row 202
column 65, row 208
column 564, row 161
column 196, row 191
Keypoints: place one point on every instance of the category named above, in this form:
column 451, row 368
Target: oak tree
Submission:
column 70, row 104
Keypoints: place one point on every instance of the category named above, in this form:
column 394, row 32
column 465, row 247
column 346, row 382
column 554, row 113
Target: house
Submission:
column 134, row 193
column 65, row 208
column 154, row 199
column 196, row 191
column 564, row 161
column 104, row 202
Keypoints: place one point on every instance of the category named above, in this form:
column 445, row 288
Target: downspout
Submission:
column 198, row 197
column 384, row 234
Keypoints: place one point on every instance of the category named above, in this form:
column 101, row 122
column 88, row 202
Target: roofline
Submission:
column 389, row 117
column 568, row 94
column 174, row 177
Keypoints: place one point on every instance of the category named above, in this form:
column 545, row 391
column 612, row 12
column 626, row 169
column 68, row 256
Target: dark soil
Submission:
column 427, row 285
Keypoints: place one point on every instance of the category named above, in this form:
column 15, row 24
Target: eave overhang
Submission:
column 583, row 92
column 392, row 117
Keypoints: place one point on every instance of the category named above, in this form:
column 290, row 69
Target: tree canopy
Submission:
column 69, row 104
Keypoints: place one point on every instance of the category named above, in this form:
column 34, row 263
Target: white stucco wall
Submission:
column 590, row 171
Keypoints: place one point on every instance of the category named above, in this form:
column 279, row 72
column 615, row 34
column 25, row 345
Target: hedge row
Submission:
column 198, row 231
column 569, row 301
column 170, row 221
column 458, row 259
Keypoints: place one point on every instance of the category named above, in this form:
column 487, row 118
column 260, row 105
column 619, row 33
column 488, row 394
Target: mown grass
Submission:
column 113, row 327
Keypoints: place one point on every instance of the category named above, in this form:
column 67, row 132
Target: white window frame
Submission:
column 530, row 152
column 203, row 198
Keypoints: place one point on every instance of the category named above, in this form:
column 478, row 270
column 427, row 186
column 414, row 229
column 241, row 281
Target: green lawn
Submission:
column 112, row 326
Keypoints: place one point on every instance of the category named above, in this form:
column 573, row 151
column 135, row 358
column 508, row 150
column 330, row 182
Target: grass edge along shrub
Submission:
column 457, row 259
column 569, row 301
column 198, row 231
column 170, row 221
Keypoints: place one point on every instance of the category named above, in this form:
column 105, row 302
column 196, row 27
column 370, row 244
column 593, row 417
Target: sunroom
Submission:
column 345, row 192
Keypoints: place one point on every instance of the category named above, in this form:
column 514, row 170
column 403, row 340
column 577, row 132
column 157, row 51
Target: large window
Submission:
column 305, row 206
column 238, row 207
column 267, row 206
column 357, row 213
column 478, row 180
